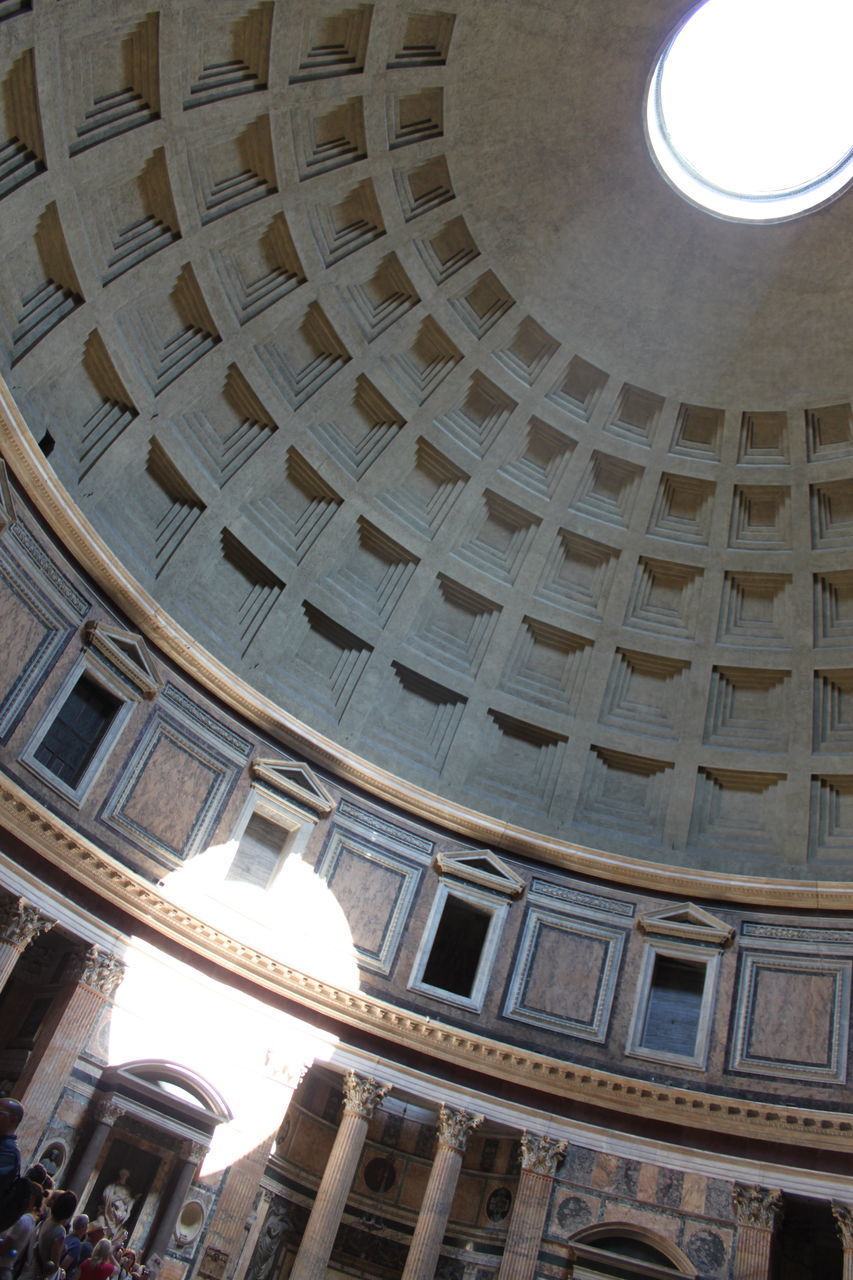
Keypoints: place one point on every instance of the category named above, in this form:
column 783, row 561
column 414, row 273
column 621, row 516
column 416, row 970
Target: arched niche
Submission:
column 628, row 1251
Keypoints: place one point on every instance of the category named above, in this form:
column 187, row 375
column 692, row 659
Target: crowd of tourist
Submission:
column 41, row 1238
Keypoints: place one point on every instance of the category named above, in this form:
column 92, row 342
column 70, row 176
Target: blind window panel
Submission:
column 674, row 1006
column 258, row 853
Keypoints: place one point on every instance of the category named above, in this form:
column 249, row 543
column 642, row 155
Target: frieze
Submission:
column 78, row 603
column 796, row 933
column 346, row 809
column 77, row 857
column 220, row 733
column 586, row 901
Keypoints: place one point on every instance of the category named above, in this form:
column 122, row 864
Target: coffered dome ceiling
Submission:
column 374, row 346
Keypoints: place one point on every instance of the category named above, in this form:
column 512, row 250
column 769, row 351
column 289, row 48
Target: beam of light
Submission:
column 749, row 111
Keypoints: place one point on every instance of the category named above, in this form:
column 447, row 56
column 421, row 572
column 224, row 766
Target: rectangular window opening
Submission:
column 79, row 728
column 457, row 947
column 674, row 1006
column 259, row 852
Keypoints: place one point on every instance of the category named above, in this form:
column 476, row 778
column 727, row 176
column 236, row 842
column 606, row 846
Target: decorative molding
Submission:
column 541, row 1154
column 455, row 1127
column 756, row 1206
column 375, row 822
column 21, row 923
column 843, row 1215
column 294, row 780
column 191, row 1152
column 126, row 653
column 108, row 1110
column 363, row 1094
column 101, row 971
column 688, row 922
column 483, row 868
column 589, row 903
column 8, row 512
column 78, row 858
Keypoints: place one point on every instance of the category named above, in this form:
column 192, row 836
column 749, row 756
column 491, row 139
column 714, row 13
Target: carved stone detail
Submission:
column 21, row 923
column 191, row 1151
column 843, row 1215
column 456, row 1127
column 756, row 1206
column 101, row 970
column 363, row 1094
column 540, row 1154
column 108, row 1110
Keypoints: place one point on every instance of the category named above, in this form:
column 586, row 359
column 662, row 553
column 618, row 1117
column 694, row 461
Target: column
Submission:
column 42, row 1081
column 361, row 1097
column 454, row 1130
column 191, row 1155
column 756, row 1210
column 20, row 924
column 843, row 1215
column 107, row 1113
column 539, row 1157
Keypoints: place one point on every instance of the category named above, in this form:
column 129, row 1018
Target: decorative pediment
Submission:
column 483, row 868
column 125, row 654
column 8, row 514
column 294, row 780
column 687, row 921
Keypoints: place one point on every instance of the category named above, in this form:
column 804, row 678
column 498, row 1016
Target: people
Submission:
column 15, row 1241
column 101, row 1265
column 47, row 1244
column 11, row 1115
column 116, row 1206
column 72, row 1257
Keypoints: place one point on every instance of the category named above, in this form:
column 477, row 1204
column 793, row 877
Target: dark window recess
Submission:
column 457, row 947
column 675, row 1003
column 258, row 853
column 69, row 746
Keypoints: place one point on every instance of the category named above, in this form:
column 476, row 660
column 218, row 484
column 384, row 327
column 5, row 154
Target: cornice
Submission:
column 108, row 879
column 83, row 542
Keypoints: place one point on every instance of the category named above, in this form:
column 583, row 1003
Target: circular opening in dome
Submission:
column 749, row 112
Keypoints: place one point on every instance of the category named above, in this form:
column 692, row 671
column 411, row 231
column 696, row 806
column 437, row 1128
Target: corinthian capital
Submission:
column 540, row 1154
column 363, row 1094
column 101, row 971
column 843, row 1215
column 108, row 1110
column 190, row 1151
column 20, row 922
column 756, row 1206
column 456, row 1127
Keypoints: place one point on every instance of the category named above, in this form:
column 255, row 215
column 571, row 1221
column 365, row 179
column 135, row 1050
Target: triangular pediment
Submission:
column 686, row 920
column 294, row 780
column 126, row 655
column 8, row 515
column 483, row 868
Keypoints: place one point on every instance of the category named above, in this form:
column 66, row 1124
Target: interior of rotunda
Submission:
column 426, row 652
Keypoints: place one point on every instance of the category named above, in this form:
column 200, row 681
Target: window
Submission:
column 259, row 852
column 80, row 726
column 677, row 985
column 458, row 947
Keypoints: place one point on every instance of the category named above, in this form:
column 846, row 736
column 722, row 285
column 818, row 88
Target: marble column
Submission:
column 454, row 1130
column 99, row 973
column 190, row 1154
column 20, row 924
column 756, row 1210
column 539, row 1158
column 107, row 1112
column 361, row 1097
column 843, row 1215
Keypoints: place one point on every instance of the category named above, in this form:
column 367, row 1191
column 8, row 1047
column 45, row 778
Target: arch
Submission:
column 592, row 1241
column 153, row 1076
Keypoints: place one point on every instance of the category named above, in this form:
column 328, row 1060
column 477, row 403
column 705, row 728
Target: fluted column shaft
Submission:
column 756, row 1209
column 843, row 1215
column 107, row 1112
column 20, row 924
column 454, row 1128
column 539, row 1156
column 39, row 1086
column 361, row 1096
column 192, row 1153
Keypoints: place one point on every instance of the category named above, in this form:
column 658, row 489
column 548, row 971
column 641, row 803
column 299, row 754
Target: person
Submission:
column 101, row 1265
column 11, row 1115
column 117, row 1200
column 71, row 1258
column 47, row 1244
column 126, row 1263
column 15, row 1241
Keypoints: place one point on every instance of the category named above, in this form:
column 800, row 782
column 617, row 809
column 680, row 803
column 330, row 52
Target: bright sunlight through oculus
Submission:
column 750, row 111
